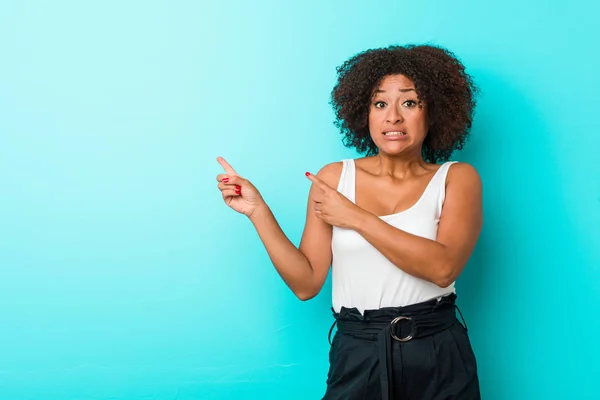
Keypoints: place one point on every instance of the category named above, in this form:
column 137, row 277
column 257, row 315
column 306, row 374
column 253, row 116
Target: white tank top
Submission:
column 361, row 276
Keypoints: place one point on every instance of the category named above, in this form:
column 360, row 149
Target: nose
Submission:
column 394, row 115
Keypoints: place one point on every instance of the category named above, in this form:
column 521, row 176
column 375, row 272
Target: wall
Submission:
column 122, row 274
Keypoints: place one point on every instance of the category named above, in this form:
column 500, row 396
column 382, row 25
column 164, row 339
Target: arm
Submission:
column 303, row 269
column 440, row 261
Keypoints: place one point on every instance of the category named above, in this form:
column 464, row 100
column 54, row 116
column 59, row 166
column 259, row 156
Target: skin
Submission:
column 388, row 183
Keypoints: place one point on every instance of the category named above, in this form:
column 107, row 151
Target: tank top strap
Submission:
column 442, row 172
column 347, row 183
column 439, row 185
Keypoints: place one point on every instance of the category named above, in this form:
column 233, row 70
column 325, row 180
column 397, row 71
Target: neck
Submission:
column 398, row 166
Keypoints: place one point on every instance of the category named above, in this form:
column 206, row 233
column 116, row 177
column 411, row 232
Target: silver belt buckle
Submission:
column 412, row 330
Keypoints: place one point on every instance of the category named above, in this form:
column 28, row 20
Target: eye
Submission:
column 379, row 104
column 410, row 103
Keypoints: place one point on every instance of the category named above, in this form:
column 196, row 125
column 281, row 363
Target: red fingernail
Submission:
column 225, row 180
column 308, row 173
column 238, row 187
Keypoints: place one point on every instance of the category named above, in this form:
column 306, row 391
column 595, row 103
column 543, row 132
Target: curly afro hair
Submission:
column 440, row 81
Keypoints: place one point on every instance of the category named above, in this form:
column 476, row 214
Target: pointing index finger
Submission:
column 226, row 166
column 317, row 181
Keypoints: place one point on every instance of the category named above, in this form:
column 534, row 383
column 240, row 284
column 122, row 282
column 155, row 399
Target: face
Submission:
column 398, row 121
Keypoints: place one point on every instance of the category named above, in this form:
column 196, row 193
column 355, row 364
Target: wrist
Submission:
column 360, row 219
column 260, row 212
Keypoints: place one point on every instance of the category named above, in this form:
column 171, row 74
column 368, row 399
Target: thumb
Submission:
column 236, row 180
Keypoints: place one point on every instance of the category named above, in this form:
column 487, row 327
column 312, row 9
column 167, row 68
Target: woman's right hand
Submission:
column 238, row 193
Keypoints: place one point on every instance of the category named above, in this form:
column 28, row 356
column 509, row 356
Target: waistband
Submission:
column 402, row 324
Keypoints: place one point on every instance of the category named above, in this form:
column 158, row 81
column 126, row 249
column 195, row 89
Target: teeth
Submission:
column 394, row 134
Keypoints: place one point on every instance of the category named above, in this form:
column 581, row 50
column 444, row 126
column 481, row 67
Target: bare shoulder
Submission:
column 464, row 175
column 330, row 173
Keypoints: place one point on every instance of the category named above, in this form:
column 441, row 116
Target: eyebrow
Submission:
column 401, row 90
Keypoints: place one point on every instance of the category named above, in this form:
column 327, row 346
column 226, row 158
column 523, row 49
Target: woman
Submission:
column 397, row 227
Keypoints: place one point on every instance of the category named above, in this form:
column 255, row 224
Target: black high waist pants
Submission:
column 418, row 352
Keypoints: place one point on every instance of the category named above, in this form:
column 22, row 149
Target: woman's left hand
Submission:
column 333, row 207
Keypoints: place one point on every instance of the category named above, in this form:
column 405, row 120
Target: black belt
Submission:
column 402, row 324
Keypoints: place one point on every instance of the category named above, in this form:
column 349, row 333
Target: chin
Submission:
column 394, row 149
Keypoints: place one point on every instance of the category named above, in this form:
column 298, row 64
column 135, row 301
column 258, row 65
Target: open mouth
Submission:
column 394, row 133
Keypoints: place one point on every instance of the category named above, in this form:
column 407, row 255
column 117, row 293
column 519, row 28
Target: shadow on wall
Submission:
column 507, row 292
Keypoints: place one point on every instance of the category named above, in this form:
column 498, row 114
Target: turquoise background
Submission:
column 123, row 276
